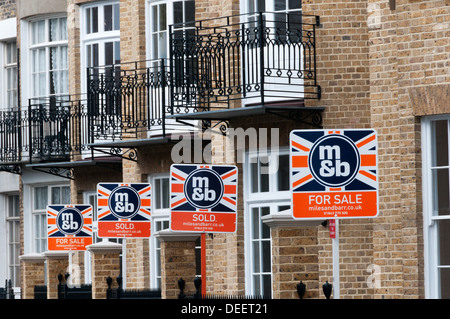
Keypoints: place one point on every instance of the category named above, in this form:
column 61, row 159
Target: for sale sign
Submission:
column 123, row 210
column 69, row 227
column 203, row 198
column 334, row 173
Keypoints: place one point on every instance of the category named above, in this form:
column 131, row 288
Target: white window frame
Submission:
column 8, row 33
column 41, row 214
column 273, row 199
column 46, row 45
column 160, row 220
column 247, row 7
column 90, row 197
column 154, row 61
column 12, row 220
column 101, row 37
column 10, row 87
column 430, row 219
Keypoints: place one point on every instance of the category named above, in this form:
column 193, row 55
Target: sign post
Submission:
column 334, row 175
column 123, row 210
column 203, row 200
column 69, row 227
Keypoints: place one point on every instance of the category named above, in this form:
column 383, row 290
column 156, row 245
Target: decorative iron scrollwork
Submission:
column 13, row 168
column 129, row 154
column 64, row 172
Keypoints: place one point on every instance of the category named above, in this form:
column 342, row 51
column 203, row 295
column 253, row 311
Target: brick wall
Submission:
column 295, row 254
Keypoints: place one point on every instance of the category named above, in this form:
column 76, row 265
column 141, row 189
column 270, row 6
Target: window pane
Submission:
column 162, row 18
column 155, row 46
column 256, row 284
column 116, row 15
column 255, row 222
column 40, row 197
column 254, row 177
column 440, row 180
column 189, row 11
column 94, row 21
column 63, row 28
column 109, row 53
column 165, row 193
column 13, row 206
column 265, row 229
column 178, row 12
column 264, row 176
column 266, row 260
column 53, row 30
column 280, row 5
column 283, row 173
column 444, row 242
column 157, row 187
column 295, row 4
column 267, row 284
column 88, row 21
column 440, row 143
column 154, row 18
column 108, row 17
column 38, row 32
column 117, row 52
column 256, row 254
column 444, row 275
column 162, row 39
column 65, row 195
column 56, row 195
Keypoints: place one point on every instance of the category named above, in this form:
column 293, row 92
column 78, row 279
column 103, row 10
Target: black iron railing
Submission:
column 128, row 99
column 48, row 129
column 258, row 58
column 8, row 291
column 10, row 136
column 57, row 128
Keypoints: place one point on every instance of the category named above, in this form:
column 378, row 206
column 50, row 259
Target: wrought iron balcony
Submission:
column 47, row 130
column 263, row 59
column 256, row 59
column 11, row 124
column 130, row 101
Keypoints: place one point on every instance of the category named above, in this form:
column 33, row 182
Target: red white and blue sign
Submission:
column 123, row 210
column 203, row 198
column 334, row 173
column 69, row 227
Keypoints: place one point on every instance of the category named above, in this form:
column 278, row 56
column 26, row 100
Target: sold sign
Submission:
column 334, row 173
column 123, row 210
column 203, row 198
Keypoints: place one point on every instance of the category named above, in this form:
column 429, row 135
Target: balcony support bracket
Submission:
column 129, row 154
column 11, row 168
column 310, row 116
column 64, row 172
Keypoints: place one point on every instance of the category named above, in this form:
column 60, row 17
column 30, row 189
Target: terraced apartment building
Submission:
column 117, row 91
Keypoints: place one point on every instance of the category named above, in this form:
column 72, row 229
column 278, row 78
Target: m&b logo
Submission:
column 334, row 160
column 203, row 188
column 124, row 202
column 69, row 221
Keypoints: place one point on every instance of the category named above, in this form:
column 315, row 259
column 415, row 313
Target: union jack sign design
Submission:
column 123, row 210
column 334, row 173
column 203, row 198
column 69, row 227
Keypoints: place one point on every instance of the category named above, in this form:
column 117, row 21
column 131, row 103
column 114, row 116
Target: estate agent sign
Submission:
column 334, row 173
